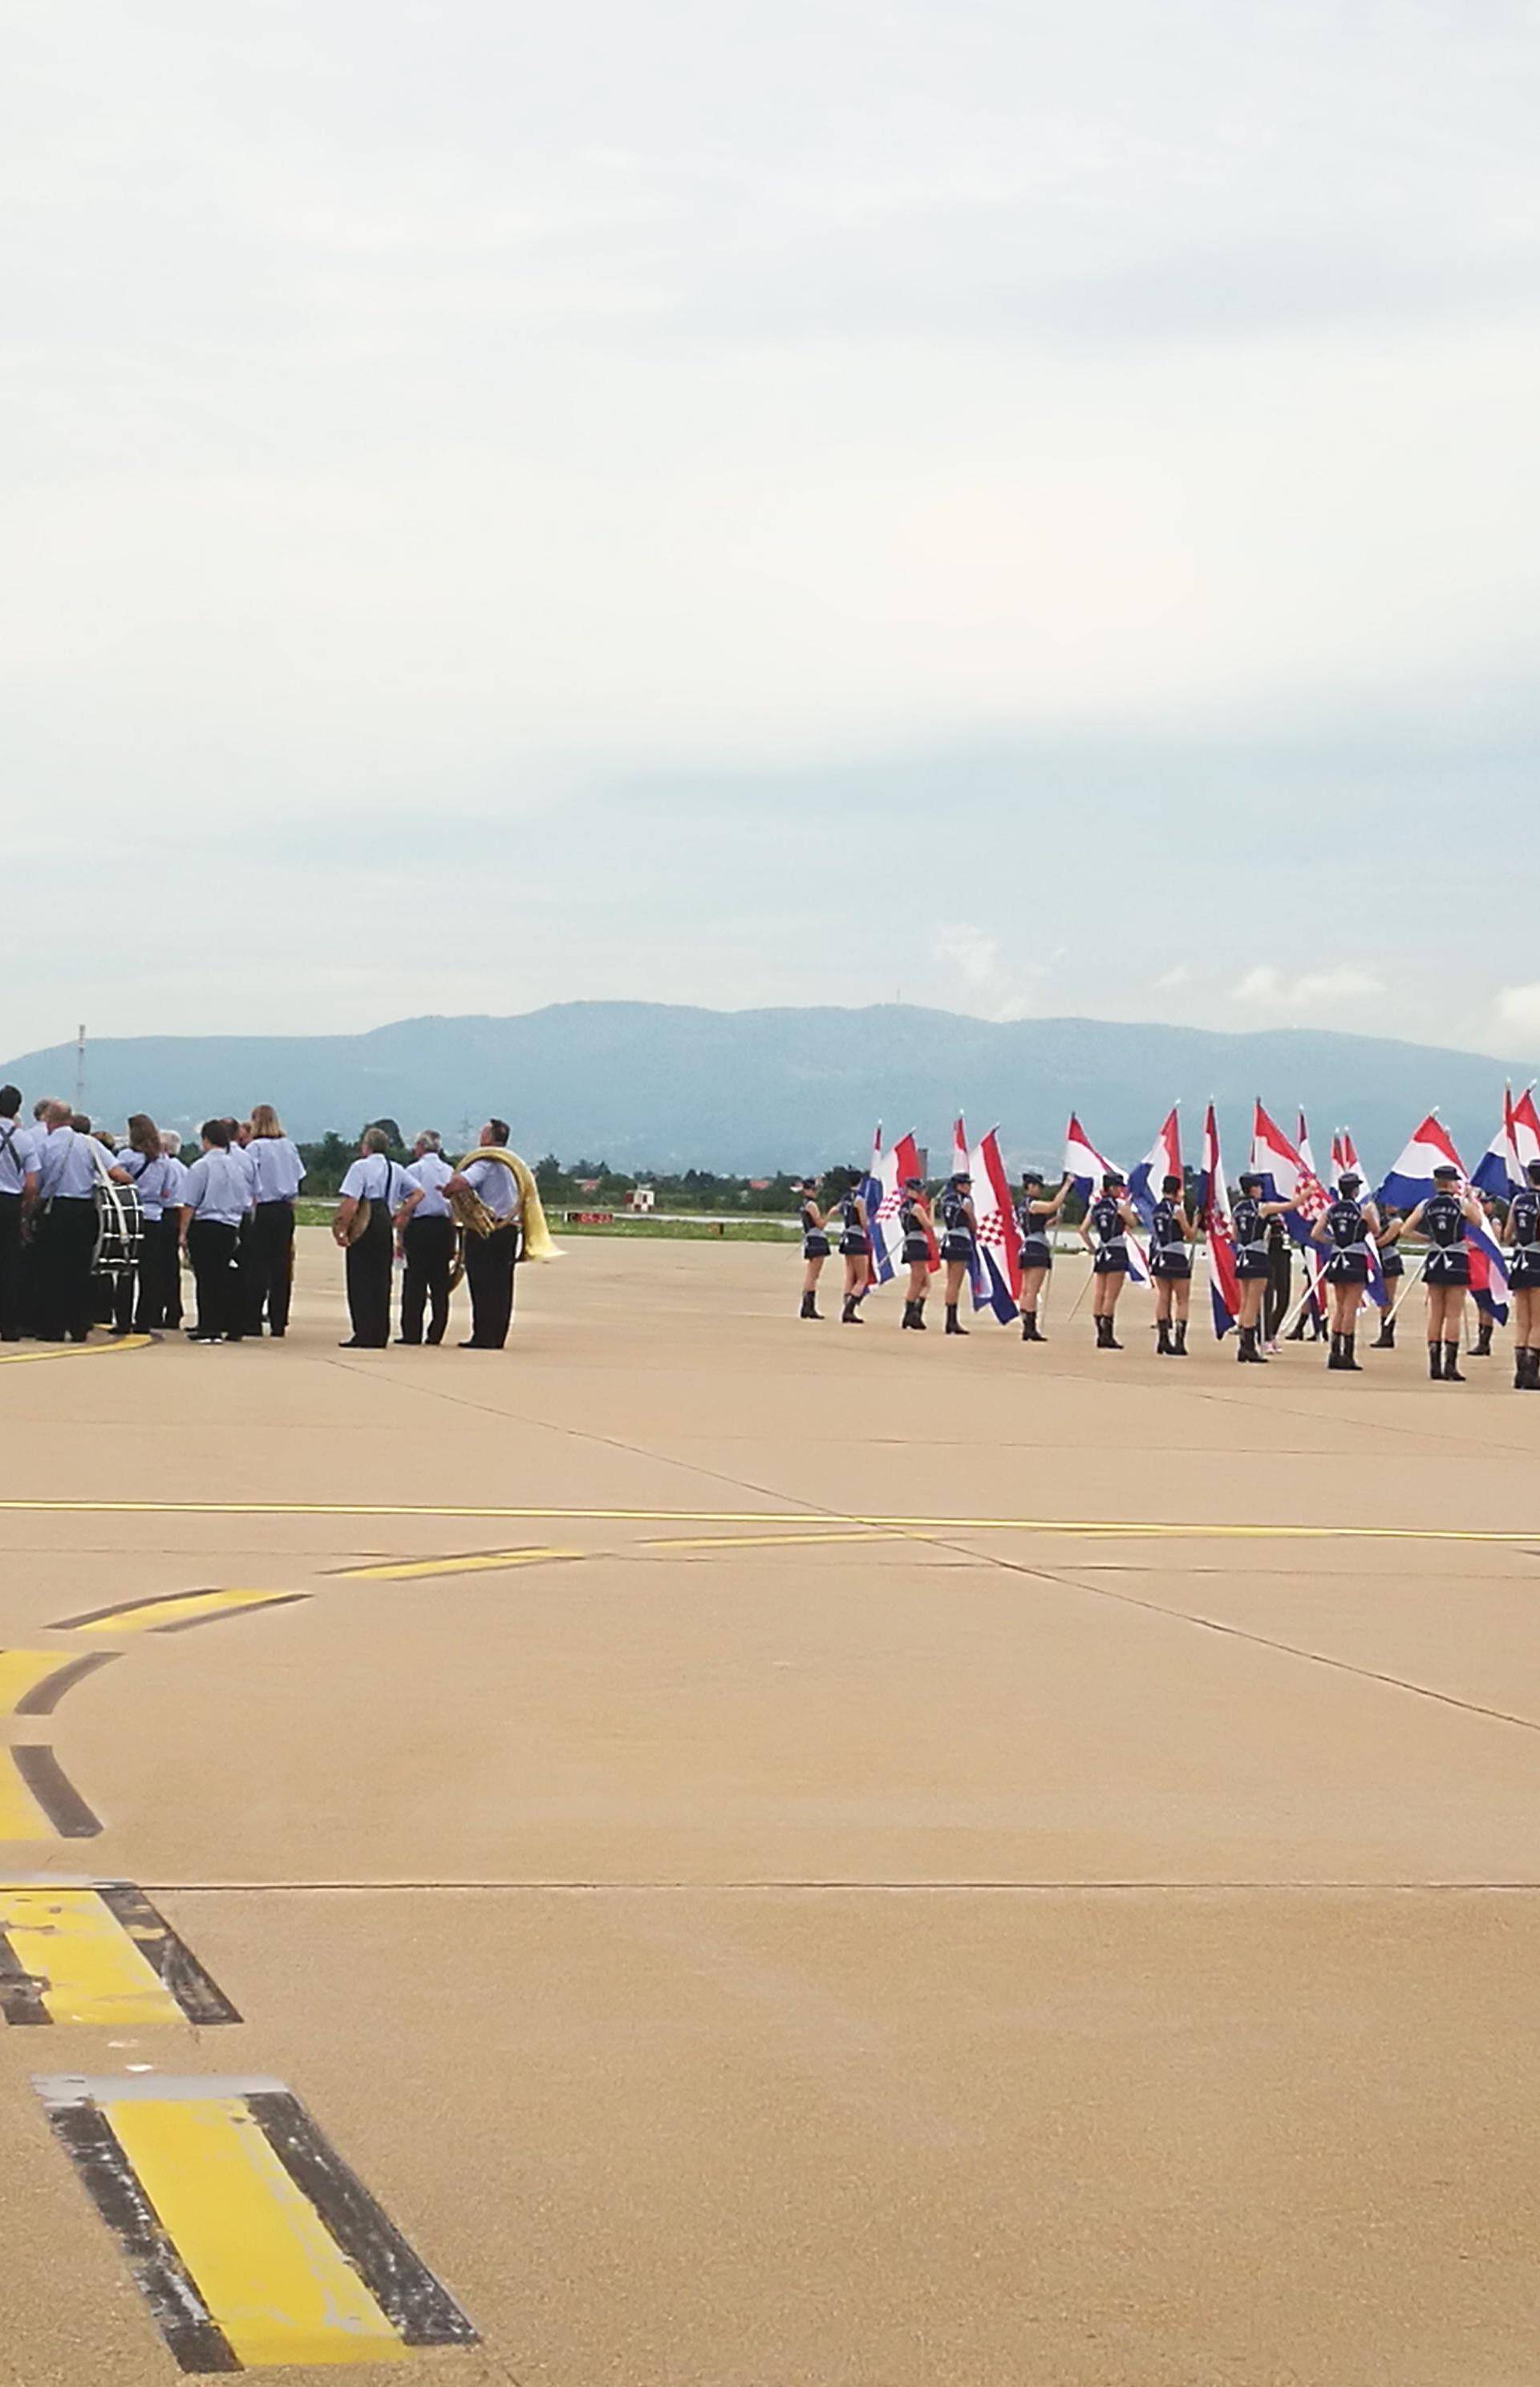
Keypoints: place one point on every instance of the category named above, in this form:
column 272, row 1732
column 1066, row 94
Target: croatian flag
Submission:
column 1526, row 1131
column 1344, row 1157
column 1283, row 1169
column 894, row 1170
column 1301, row 1142
column 1085, row 1167
column 1224, row 1292
column 1163, row 1159
column 1411, row 1180
column 997, row 1279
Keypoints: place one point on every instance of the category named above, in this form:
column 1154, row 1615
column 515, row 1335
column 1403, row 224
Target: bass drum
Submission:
column 119, row 1231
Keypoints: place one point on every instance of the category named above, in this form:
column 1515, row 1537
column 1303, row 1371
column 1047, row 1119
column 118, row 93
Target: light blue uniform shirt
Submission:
column 376, row 1178
column 18, row 1154
column 493, row 1180
column 67, row 1170
column 176, row 1178
column 431, row 1172
column 216, row 1188
column 276, row 1167
column 153, row 1180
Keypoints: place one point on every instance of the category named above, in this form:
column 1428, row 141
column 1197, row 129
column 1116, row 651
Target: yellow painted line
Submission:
column 71, row 1941
column 272, row 2277
column 179, row 1607
column 852, row 1536
column 78, row 1350
column 23, row 1670
column 481, row 1563
column 1130, row 1528
column 20, row 1817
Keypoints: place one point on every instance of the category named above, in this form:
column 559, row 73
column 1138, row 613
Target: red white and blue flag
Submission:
column 1301, row 1140
column 1085, row 1167
column 1282, row 1167
column 892, row 1172
column 1224, row 1291
column 1503, row 1166
column 1526, row 1131
column 1431, row 1146
column 1163, row 1159
column 997, row 1271
column 1344, row 1157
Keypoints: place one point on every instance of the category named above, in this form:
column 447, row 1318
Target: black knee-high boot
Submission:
column 1451, row 1364
column 1248, row 1350
column 1386, row 1339
column 848, row 1315
column 1520, row 1368
column 1029, row 1321
column 809, row 1307
column 1484, row 1340
column 952, row 1325
column 919, row 1315
column 1178, row 1339
column 1531, row 1380
column 1106, row 1339
column 1350, row 1353
column 1162, row 1338
column 1436, row 1362
column 908, row 1317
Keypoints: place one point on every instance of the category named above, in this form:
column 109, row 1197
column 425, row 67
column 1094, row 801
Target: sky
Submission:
column 1027, row 510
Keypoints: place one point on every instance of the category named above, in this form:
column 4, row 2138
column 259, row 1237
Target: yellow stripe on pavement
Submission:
column 177, row 1607
column 87, row 1968
column 272, row 2277
column 478, row 1563
column 1130, row 1528
column 854, row 1536
column 78, row 1350
column 20, row 1817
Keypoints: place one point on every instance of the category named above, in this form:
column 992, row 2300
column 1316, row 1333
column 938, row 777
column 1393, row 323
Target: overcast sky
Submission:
column 1027, row 507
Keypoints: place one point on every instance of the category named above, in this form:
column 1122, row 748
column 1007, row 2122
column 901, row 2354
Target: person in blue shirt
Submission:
column 366, row 1235
column 70, row 1167
column 214, row 1201
column 18, row 1164
column 267, row 1250
column 425, row 1240
column 139, row 1293
column 491, row 1259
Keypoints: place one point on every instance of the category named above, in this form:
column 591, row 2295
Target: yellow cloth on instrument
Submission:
column 532, row 1218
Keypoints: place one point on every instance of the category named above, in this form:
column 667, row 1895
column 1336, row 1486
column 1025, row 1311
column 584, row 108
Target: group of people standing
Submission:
column 94, row 1229
column 946, row 1232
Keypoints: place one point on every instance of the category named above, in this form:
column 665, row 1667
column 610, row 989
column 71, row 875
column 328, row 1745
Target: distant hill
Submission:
column 646, row 1084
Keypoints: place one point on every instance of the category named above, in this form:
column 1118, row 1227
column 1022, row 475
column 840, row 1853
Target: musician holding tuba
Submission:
column 483, row 1196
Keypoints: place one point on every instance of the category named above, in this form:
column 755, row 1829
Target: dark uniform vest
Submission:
column 1443, row 1221
column 1106, row 1220
column 1250, row 1228
column 1167, row 1233
column 1523, row 1221
column 1345, row 1224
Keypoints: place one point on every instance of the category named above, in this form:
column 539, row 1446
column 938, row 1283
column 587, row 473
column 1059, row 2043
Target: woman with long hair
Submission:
column 1521, row 1242
column 815, row 1246
column 1443, row 1217
column 1035, row 1214
column 267, row 1250
column 918, row 1249
column 140, row 1296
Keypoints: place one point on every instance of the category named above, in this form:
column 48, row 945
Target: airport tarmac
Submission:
column 712, row 1850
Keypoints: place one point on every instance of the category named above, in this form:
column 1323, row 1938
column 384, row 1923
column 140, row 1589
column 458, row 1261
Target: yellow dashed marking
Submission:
column 88, row 1965
column 476, row 1562
column 180, row 1608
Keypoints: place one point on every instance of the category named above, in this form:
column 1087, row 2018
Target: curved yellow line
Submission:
column 78, row 1350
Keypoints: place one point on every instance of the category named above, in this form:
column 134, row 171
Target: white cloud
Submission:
column 1268, row 990
column 1168, row 980
column 1518, row 1009
column 981, row 980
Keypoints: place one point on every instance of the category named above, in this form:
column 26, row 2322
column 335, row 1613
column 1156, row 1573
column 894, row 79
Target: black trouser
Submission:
column 10, row 1268
column 169, row 1236
column 1276, row 1301
column 156, row 1256
column 489, row 1273
column 66, row 1246
column 430, row 1256
column 211, row 1250
column 267, row 1266
column 369, row 1280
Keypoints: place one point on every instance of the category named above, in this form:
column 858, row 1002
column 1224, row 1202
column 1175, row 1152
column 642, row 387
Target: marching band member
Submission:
column 1522, row 1240
column 1345, row 1227
column 367, row 1239
column 266, row 1255
column 1035, row 1214
column 1443, row 1218
column 1111, row 1219
column 213, row 1204
column 170, row 1225
column 915, row 1228
column 491, row 1259
column 425, row 1238
column 816, row 1247
column 1392, row 1268
column 18, row 1163
column 1485, row 1324
column 139, row 1294
column 959, row 1240
column 856, row 1250
column 67, row 1180
column 1249, row 1226
column 1171, row 1230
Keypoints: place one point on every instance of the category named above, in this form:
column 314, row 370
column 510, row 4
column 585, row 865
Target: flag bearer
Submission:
column 815, row 1246
column 1521, row 1241
column 1111, row 1220
column 959, row 1240
column 1345, row 1227
column 1171, row 1230
column 856, row 1250
column 917, row 1251
column 1035, row 1214
column 1249, row 1223
column 1444, row 1217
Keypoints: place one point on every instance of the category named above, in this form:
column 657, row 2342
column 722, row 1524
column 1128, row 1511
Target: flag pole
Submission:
column 1416, row 1278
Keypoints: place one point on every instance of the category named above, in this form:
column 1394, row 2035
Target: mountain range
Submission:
column 667, row 1086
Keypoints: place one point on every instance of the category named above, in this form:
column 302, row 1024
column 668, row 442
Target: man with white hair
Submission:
column 425, row 1236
